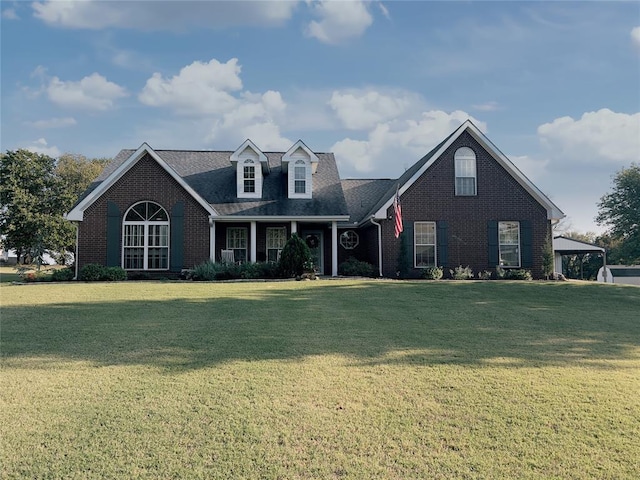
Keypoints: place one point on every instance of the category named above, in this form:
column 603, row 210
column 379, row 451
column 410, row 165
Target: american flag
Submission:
column 397, row 210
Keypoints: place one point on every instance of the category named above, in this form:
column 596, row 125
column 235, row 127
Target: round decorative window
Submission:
column 349, row 240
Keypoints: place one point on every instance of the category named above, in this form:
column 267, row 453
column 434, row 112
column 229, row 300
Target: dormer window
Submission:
column 249, row 174
column 300, row 173
column 251, row 166
column 465, row 171
column 299, row 163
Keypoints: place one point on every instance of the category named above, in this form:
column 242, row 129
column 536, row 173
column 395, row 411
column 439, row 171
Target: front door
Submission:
column 314, row 241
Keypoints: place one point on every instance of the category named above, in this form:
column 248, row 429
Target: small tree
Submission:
column 294, row 256
column 547, row 258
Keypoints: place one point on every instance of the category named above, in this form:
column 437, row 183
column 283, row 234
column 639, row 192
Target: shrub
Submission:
column 293, row 257
column 91, row 272
column 513, row 274
column 204, row 272
column 62, row 275
column 432, row 273
column 357, row 268
column 461, row 273
column 484, row 275
column 114, row 274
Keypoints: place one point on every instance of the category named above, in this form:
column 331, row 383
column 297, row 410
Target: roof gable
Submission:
column 249, row 150
column 419, row 168
column 77, row 213
column 297, row 151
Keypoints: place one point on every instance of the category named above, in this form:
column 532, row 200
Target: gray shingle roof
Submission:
column 361, row 195
column 213, row 177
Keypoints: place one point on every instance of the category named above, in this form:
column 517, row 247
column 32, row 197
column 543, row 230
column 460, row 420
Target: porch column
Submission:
column 294, row 227
column 212, row 239
column 334, row 249
column 252, row 257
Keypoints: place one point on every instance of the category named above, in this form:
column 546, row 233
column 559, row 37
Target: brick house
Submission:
column 161, row 211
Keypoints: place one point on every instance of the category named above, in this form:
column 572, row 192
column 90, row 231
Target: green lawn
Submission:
column 328, row 379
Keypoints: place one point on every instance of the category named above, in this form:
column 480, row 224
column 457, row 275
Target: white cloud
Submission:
column 635, row 37
column 94, row 92
column 199, row 88
column 487, row 107
column 10, row 14
column 339, row 20
column 533, row 168
column 384, row 10
column 41, row 146
column 157, row 16
column 54, row 123
column 362, row 110
column 256, row 118
column 393, row 146
column 595, row 137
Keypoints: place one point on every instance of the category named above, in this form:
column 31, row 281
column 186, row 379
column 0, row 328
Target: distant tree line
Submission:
column 620, row 211
column 36, row 191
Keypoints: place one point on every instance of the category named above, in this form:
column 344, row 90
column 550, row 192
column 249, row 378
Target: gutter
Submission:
column 379, row 243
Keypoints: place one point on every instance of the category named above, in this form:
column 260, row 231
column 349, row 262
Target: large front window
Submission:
column 145, row 240
column 509, row 243
column 276, row 238
column 237, row 241
column 425, row 244
column 465, row 167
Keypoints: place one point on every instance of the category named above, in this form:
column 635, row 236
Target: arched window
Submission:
column 300, row 179
column 465, row 167
column 249, row 176
column 145, row 237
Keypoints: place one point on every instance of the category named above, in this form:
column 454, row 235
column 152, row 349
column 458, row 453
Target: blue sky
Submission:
column 554, row 85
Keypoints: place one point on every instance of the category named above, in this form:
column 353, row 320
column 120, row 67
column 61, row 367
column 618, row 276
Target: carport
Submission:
column 569, row 246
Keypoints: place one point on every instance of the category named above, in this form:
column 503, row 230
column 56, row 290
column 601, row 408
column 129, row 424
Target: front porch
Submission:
column 240, row 240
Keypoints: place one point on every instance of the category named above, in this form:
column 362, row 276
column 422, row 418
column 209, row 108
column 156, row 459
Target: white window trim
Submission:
column 258, row 178
column 279, row 250
column 246, row 248
column 435, row 245
column 145, row 224
column 465, row 153
column 519, row 246
column 307, row 179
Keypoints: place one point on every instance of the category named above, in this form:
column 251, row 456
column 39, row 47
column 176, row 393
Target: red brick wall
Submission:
column 499, row 197
column 145, row 181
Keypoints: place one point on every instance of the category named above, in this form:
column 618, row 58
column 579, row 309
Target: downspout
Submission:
column 379, row 244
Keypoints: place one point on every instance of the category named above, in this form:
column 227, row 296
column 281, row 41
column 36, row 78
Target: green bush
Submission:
column 513, row 274
column 62, row 275
column 461, row 273
column 114, row 274
column 209, row 271
column 294, row 256
column 357, row 268
column 91, row 272
column 432, row 273
column 485, row 275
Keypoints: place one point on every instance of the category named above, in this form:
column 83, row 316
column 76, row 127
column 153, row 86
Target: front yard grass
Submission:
column 328, row 379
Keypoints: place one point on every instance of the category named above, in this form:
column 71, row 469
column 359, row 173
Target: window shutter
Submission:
column 526, row 240
column 492, row 238
column 406, row 264
column 441, row 238
column 114, row 224
column 177, row 237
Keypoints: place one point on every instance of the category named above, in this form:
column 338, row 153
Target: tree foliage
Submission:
column 35, row 192
column 620, row 210
column 294, row 256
